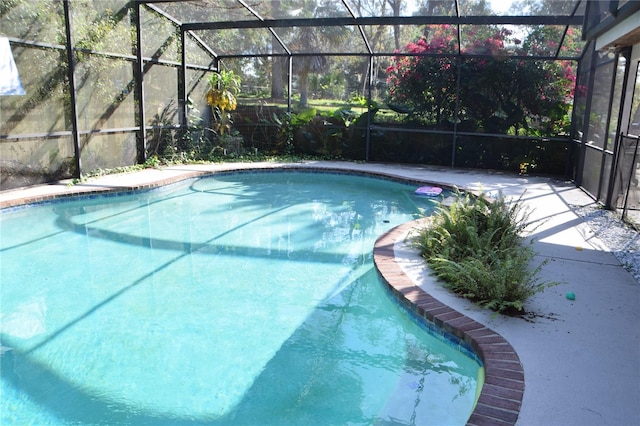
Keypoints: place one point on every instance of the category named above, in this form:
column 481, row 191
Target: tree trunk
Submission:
column 304, row 84
column 277, row 80
column 277, row 62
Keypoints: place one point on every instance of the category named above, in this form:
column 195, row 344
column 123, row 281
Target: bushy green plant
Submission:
column 477, row 248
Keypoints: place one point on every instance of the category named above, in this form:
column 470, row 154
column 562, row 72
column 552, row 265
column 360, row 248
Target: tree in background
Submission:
column 497, row 93
column 423, row 82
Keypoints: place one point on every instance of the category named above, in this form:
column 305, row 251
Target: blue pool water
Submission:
column 246, row 298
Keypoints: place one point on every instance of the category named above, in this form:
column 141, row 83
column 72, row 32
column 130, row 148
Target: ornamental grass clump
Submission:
column 478, row 249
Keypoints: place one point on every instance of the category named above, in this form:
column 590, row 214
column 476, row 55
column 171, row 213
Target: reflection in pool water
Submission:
column 247, row 298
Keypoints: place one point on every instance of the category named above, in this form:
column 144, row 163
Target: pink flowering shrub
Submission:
column 498, row 93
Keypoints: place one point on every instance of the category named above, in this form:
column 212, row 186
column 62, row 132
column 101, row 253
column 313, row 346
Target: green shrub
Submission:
column 477, row 248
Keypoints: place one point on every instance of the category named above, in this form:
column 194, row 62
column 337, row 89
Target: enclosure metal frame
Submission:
column 270, row 24
column 141, row 63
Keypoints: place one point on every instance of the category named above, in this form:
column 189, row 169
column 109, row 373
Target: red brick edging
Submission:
column 501, row 396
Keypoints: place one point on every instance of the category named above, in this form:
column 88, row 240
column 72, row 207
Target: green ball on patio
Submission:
column 570, row 295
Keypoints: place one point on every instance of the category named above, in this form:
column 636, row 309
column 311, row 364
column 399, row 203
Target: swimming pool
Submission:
column 234, row 299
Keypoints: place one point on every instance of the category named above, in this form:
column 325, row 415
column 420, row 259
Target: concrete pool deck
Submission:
column 581, row 358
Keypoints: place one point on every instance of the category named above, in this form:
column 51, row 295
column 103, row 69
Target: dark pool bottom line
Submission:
column 501, row 396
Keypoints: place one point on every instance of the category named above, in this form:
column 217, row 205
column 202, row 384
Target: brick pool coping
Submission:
column 60, row 190
column 501, row 396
